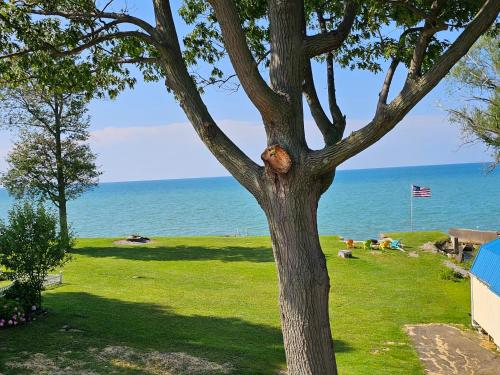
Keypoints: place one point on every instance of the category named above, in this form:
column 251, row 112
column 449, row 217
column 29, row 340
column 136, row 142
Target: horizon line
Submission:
column 339, row 170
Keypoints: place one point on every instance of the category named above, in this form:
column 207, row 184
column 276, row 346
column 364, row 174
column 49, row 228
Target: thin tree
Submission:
column 51, row 160
column 284, row 35
column 475, row 80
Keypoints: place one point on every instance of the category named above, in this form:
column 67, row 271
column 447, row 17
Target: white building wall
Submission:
column 485, row 308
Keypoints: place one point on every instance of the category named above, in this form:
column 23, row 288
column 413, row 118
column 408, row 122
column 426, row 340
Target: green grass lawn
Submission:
column 216, row 298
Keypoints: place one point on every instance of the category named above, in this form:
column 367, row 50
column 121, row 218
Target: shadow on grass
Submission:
column 180, row 253
column 96, row 324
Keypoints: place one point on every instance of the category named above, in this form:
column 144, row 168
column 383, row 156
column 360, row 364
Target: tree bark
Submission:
column 61, row 186
column 63, row 220
column 304, row 283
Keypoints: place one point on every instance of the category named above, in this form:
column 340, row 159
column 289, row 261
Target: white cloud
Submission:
column 169, row 151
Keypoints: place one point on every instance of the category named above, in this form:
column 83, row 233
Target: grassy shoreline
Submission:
column 216, row 298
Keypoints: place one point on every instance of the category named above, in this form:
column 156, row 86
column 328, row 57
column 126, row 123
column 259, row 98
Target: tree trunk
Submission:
column 61, row 186
column 304, row 283
column 63, row 220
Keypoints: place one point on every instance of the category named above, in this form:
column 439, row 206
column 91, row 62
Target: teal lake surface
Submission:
column 360, row 204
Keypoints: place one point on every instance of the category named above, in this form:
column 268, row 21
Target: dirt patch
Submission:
column 126, row 242
column 158, row 363
column 120, row 358
column 448, row 350
column 39, row 363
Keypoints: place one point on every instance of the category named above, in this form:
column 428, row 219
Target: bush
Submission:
column 450, row 274
column 11, row 313
column 31, row 247
column 24, row 294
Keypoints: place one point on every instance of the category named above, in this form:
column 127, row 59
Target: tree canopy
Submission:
column 475, row 81
column 32, row 168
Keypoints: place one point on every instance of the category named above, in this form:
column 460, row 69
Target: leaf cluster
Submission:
column 32, row 168
column 37, row 44
column 375, row 37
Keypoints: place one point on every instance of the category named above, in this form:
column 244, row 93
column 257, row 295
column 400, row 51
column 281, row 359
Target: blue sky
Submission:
column 143, row 134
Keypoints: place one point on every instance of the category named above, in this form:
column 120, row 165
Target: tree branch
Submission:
column 320, row 118
column 98, row 14
column 384, row 92
column 262, row 96
column 325, row 160
column 332, row 131
column 165, row 39
column 432, row 26
column 339, row 119
column 318, row 44
column 98, row 40
column 412, row 8
column 178, row 79
column 139, row 60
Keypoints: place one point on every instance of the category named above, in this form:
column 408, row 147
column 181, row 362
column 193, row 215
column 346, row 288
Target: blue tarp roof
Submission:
column 486, row 266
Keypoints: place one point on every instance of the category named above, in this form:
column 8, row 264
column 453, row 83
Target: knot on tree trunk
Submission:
column 277, row 159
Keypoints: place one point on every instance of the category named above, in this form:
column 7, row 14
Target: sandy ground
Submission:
column 448, row 350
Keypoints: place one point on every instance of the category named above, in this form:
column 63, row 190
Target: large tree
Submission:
column 283, row 36
column 51, row 160
column 475, row 81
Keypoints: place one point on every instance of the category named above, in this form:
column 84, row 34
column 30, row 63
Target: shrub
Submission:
column 450, row 274
column 11, row 313
column 31, row 247
column 26, row 296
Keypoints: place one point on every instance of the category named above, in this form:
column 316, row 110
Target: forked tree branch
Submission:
column 318, row 44
column 339, row 119
column 178, row 79
column 431, row 26
column 332, row 130
column 320, row 118
column 384, row 92
column 268, row 102
column 325, row 160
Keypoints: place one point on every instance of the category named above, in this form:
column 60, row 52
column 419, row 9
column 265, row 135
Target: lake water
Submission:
column 360, row 204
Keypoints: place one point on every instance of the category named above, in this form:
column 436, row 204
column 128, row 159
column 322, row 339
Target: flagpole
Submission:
column 411, row 207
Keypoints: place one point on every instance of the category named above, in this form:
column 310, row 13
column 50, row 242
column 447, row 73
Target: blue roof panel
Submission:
column 486, row 266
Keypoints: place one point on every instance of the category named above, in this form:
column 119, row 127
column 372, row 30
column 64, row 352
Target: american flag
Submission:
column 420, row 191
